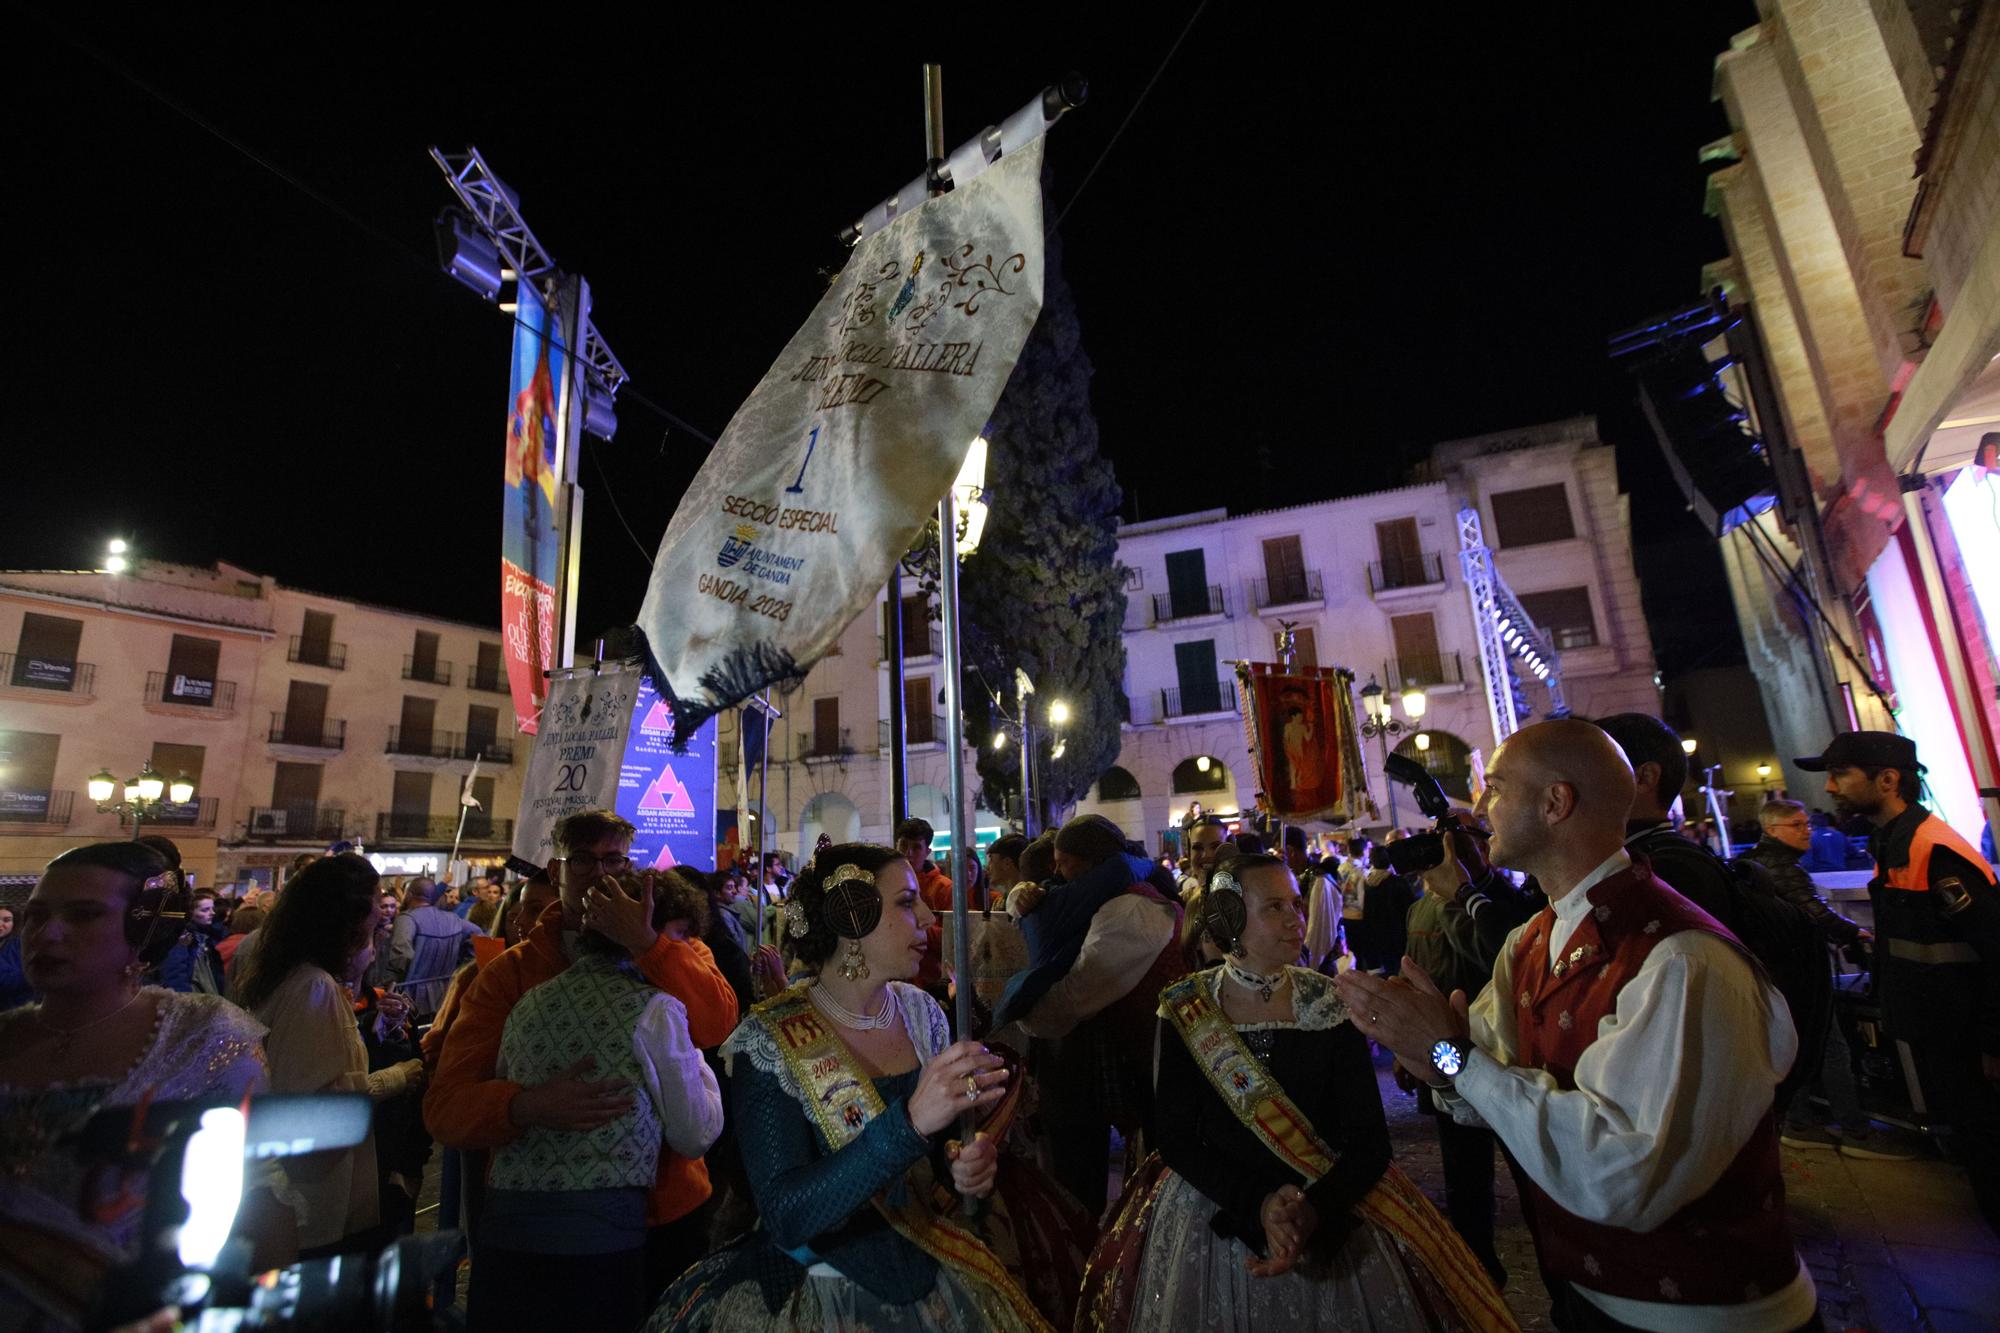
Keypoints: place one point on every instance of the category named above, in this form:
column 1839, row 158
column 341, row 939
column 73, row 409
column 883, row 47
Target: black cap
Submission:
column 1864, row 749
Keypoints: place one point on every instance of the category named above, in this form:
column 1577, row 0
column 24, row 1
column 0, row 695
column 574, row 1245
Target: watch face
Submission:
column 1446, row 1056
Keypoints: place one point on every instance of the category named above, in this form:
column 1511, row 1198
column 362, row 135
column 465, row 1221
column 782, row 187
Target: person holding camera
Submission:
column 97, row 1039
column 1627, row 1052
column 1456, row 927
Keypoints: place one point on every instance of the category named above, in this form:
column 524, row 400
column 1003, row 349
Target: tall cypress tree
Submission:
column 1045, row 592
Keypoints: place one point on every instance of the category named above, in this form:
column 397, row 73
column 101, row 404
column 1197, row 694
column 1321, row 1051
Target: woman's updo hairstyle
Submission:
column 832, row 912
column 1224, row 910
column 149, row 896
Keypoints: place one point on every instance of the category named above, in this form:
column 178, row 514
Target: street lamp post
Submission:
column 1025, row 729
column 143, row 794
column 1381, row 723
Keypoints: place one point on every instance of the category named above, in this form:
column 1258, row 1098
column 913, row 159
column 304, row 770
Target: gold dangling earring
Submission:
column 853, row 965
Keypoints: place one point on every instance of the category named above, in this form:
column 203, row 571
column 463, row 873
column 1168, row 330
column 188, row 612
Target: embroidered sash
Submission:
column 843, row 1100
column 1395, row 1203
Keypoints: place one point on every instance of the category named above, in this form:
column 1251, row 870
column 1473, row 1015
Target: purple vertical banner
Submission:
column 670, row 798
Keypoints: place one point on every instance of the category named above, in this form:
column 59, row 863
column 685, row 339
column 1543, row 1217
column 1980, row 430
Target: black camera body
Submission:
column 388, row 1290
column 1416, row 854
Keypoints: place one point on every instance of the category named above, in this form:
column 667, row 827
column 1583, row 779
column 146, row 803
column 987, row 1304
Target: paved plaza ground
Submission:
column 1893, row 1246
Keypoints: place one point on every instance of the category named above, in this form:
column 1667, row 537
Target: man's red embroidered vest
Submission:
column 1731, row 1245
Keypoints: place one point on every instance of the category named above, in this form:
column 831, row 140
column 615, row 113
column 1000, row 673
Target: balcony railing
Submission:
column 492, row 679
column 327, row 734
column 191, row 692
column 832, row 743
column 918, row 729
column 488, row 749
column 198, row 813
column 1185, row 701
column 1289, row 590
column 425, row 744
column 35, row 806
column 301, row 821
column 1189, row 604
column 1409, row 571
column 432, row 672
column 439, row 830
column 1427, row 670
column 317, row 652
column 1570, row 636
column 41, row 673
column 927, row 642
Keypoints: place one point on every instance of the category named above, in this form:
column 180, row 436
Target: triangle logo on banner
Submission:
column 668, row 793
column 665, row 860
column 659, row 718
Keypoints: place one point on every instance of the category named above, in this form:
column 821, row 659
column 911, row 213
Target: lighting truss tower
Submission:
column 1504, row 631
column 589, row 392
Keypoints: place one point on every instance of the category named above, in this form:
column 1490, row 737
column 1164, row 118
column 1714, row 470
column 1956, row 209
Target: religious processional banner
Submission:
column 530, row 535
column 1303, row 741
column 579, row 753
column 827, row 473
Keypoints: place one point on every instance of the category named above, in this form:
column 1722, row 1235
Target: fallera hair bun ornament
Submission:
column 1223, row 911
column 796, row 923
column 853, row 903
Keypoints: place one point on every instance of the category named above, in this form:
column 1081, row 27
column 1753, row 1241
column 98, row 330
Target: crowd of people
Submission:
column 738, row 1100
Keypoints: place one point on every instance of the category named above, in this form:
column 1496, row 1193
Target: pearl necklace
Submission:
column 66, row 1037
column 1264, row 986
column 847, row 1018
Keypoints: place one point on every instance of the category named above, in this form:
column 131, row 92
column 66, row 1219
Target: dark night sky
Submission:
column 1339, row 238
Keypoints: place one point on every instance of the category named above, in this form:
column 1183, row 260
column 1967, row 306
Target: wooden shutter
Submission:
column 826, row 725
column 1417, row 659
column 45, row 654
column 305, row 713
column 919, row 713
column 1532, row 516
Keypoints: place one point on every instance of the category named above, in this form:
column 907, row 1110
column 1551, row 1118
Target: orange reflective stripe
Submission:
column 1932, row 833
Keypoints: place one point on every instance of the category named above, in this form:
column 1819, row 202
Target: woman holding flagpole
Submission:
column 844, row 1089
column 1272, row 1202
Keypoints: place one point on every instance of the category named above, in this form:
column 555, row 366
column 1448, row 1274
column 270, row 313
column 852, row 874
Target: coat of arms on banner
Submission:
column 827, row 473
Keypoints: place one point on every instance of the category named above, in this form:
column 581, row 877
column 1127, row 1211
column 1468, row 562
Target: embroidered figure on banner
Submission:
column 909, row 292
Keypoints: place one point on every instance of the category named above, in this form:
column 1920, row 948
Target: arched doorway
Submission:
column 1203, row 776
column 832, row 814
column 1116, row 784
column 1446, row 758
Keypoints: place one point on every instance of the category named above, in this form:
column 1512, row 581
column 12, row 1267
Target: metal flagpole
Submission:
column 763, row 811
column 464, row 791
column 954, row 713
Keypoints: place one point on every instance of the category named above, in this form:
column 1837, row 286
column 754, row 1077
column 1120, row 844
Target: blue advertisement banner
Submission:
column 670, row 798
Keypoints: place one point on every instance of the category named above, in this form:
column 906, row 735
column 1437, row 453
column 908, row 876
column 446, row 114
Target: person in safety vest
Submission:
column 1937, row 944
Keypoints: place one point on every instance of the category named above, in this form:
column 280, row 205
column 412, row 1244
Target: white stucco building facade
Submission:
column 1370, row 582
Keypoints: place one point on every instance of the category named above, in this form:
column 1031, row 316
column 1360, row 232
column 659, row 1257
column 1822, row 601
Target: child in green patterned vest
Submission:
column 566, row 1209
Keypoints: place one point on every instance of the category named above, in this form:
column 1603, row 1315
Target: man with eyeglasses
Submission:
column 1846, row 1128
column 468, row 1108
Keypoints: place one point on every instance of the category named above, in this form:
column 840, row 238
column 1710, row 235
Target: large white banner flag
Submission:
column 827, row 472
column 577, row 754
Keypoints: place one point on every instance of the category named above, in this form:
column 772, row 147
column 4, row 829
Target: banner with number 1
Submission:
column 826, row 474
